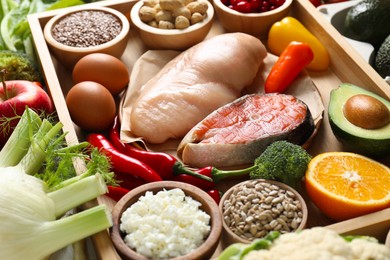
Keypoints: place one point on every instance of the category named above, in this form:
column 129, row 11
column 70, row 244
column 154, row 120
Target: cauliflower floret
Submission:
column 321, row 244
column 368, row 250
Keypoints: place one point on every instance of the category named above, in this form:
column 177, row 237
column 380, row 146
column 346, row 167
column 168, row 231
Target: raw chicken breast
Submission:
column 194, row 84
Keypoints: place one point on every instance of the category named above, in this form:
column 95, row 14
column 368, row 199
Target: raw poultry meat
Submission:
column 194, row 84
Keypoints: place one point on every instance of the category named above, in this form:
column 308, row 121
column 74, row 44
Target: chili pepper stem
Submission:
column 219, row 175
column 179, row 168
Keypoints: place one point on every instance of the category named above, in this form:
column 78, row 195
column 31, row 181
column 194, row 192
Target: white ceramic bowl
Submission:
column 256, row 24
column 69, row 55
column 171, row 39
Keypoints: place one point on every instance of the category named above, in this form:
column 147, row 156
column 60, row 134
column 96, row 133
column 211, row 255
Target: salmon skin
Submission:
column 237, row 133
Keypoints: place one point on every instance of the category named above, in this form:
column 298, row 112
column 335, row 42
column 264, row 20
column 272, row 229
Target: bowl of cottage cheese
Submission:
column 166, row 220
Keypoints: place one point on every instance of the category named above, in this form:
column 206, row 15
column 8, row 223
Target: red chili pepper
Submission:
column 122, row 162
column 116, row 192
column 200, row 183
column 128, row 181
column 215, row 194
column 290, row 63
column 164, row 164
column 114, row 137
column 206, row 171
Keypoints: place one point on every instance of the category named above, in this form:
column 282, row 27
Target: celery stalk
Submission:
column 19, row 142
column 77, row 193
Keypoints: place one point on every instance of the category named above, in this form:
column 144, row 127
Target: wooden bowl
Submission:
column 69, row 55
column 171, row 39
column 256, row 24
column 230, row 237
column 387, row 241
column 208, row 205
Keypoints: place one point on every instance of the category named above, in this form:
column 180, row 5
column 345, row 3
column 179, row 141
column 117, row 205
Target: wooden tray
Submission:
column 346, row 66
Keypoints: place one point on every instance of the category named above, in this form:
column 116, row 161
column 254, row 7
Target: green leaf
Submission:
column 65, row 3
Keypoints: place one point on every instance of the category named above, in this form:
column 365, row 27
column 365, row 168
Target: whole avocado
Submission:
column 368, row 21
column 382, row 58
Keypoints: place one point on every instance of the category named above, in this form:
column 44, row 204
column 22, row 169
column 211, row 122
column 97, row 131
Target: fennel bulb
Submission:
column 34, row 196
column 29, row 228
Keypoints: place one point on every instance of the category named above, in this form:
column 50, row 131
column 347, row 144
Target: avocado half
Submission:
column 370, row 142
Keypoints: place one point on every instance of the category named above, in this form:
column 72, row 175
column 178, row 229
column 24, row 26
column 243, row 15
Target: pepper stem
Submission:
column 179, row 168
column 219, row 175
column 3, row 73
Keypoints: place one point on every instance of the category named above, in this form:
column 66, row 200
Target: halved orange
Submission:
column 344, row 185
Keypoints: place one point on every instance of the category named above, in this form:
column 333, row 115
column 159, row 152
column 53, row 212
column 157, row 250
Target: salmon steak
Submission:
column 237, row 133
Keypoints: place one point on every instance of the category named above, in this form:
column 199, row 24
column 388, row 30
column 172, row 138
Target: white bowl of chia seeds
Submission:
column 84, row 30
column 251, row 209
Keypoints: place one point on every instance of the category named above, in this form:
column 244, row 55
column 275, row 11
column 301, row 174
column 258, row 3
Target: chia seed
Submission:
column 86, row 28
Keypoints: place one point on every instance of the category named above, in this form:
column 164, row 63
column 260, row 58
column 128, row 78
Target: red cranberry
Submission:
column 279, row 2
column 265, row 6
column 243, row 7
column 255, row 6
column 234, row 2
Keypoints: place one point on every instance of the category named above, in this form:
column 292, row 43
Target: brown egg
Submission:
column 366, row 112
column 102, row 68
column 91, row 106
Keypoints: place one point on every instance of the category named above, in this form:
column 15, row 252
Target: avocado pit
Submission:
column 366, row 112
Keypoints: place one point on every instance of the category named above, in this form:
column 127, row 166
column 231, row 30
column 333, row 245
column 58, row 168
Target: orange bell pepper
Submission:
column 289, row 29
column 286, row 69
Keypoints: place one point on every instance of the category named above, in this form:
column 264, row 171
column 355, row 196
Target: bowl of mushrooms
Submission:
column 172, row 24
column 251, row 209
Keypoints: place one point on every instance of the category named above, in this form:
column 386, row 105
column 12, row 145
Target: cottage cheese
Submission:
column 165, row 225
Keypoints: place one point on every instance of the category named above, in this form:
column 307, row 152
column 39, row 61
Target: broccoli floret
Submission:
column 282, row 161
column 19, row 66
